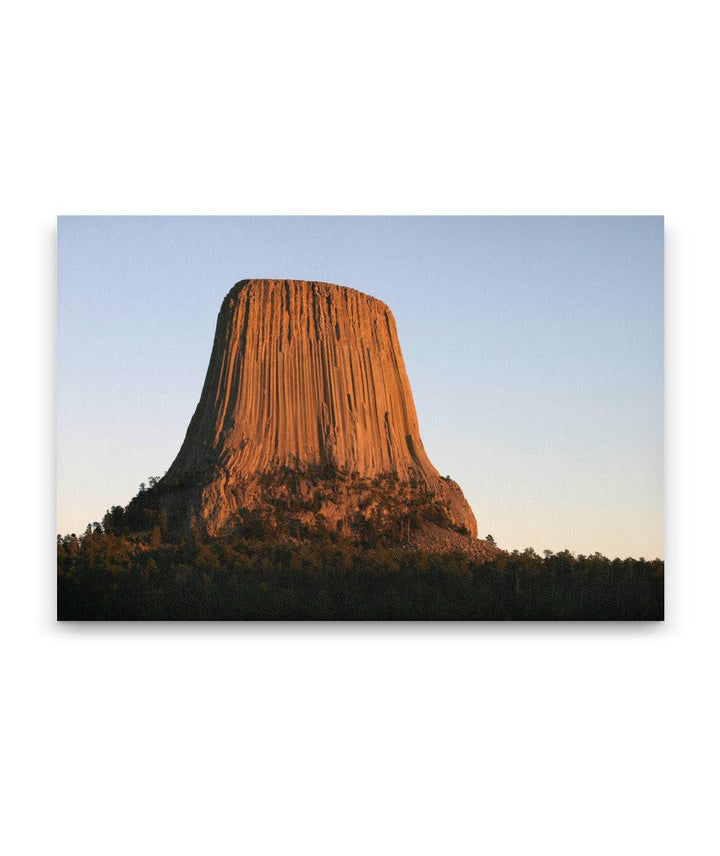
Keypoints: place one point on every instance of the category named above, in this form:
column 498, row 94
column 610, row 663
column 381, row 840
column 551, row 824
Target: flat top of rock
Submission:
column 328, row 288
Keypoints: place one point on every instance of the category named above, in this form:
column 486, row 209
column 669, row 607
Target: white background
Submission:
column 359, row 739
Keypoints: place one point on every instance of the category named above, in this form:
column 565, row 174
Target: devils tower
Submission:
column 306, row 419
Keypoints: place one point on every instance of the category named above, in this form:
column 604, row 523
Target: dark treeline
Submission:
column 106, row 576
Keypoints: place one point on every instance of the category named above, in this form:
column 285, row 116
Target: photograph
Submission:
column 425, row 418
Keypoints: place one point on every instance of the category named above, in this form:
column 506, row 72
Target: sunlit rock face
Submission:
column 306, row 416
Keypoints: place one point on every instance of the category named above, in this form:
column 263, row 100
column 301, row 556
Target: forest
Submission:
column 153, row 575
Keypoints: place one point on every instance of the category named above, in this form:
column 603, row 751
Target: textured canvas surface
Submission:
column 303, row 488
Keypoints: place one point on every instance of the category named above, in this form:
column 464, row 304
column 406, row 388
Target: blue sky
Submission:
column 534, row 347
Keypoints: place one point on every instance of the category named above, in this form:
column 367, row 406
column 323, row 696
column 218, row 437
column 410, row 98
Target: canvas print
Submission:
column 360, row 418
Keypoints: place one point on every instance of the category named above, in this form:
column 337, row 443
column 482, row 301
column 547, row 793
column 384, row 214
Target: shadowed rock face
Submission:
column 306, row 386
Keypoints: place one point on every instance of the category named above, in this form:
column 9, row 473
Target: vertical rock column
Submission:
column 305, row 373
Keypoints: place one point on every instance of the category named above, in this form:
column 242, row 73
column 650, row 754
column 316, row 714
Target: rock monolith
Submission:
column 306, row 419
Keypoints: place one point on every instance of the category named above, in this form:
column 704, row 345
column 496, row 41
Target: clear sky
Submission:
column 534, row 347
